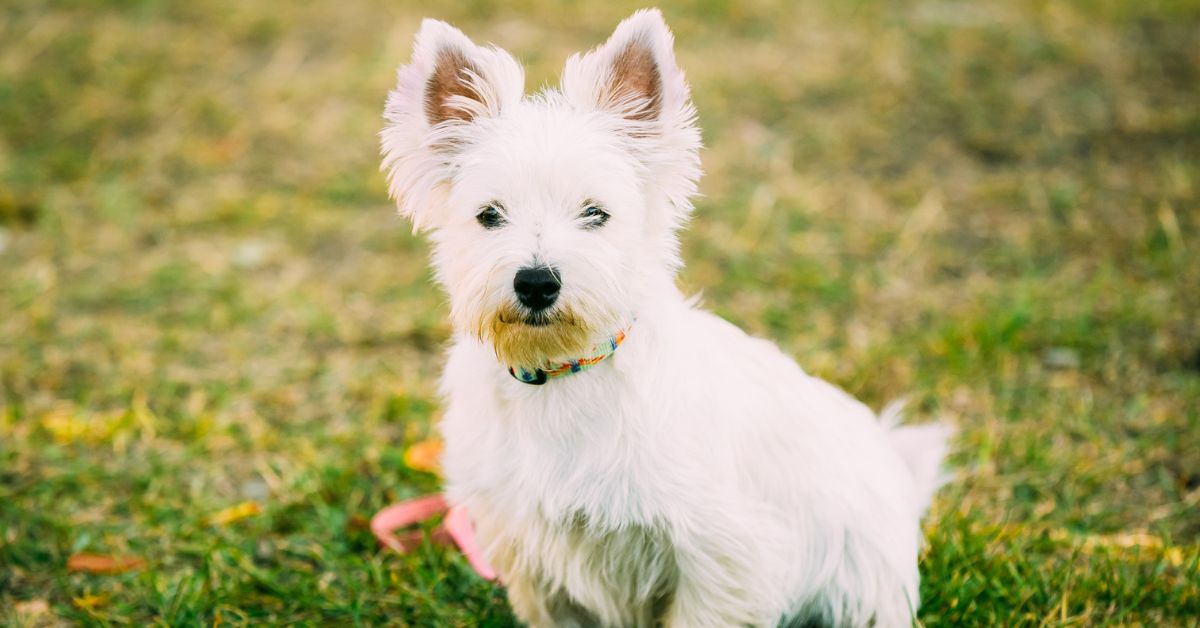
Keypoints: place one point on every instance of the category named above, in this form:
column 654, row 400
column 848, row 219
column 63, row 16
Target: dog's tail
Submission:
column 923, row 449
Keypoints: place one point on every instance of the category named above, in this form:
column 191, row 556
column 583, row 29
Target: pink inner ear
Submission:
column 637, row 82
column 449, row 78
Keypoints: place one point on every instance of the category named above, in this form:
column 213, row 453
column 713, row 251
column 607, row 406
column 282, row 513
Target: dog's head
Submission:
column 553, row 217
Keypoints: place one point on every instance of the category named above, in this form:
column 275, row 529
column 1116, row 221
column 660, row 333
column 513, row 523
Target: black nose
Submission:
column 537, row 287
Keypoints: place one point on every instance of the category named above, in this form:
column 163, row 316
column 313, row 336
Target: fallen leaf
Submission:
column 89, row 602
column 67, row 424
column 425, row 456
column 101, row 564
column 63, row 424
column 1125, row 540
column 235, row 513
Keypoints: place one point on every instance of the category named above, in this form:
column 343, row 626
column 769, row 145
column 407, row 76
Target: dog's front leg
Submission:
column 706, row 597
column 528, row 602
column 536, row 608
column 728, row 574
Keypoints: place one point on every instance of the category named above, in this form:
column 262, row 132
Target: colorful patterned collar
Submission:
column 539, row 376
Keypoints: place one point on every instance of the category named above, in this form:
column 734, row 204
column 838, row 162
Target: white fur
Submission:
column 697, row 476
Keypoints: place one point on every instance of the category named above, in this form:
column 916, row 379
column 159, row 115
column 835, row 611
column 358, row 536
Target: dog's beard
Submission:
column 520, row 339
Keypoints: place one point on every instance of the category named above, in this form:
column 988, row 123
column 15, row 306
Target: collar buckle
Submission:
column 539, row 377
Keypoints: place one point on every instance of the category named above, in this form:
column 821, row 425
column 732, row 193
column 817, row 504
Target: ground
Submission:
column 217, row 339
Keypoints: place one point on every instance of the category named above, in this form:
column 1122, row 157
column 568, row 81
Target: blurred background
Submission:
column 218, row 343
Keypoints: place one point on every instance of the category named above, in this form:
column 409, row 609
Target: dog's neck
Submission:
column 540, row 374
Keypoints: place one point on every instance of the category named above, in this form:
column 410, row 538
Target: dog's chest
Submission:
column 582, row 457
column 568, row 491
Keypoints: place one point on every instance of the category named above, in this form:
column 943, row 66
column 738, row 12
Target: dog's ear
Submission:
column 634, row 76
column 450, row 86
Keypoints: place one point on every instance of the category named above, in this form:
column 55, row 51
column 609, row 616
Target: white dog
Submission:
column 626, row 457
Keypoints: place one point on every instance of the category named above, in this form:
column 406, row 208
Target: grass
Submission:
column 206, row 300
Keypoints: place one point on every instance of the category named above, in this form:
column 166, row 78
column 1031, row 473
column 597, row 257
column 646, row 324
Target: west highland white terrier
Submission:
column 627, row 458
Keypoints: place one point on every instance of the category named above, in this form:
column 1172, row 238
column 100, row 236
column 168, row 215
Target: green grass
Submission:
column 206, row 299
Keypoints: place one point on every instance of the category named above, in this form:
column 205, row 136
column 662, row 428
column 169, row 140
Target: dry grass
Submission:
column 205, row 298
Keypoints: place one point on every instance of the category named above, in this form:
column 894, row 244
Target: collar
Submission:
column 552, row 370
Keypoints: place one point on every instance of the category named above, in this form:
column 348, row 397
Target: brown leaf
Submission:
column 101, row 564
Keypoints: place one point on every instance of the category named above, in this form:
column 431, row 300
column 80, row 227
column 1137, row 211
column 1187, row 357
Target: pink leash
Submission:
column 456, row 525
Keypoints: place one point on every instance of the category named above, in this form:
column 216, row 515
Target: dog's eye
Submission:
column 490, row 216
column 593, row 216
